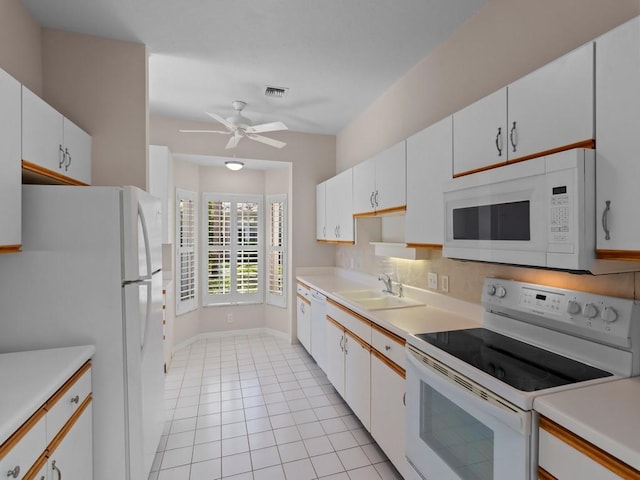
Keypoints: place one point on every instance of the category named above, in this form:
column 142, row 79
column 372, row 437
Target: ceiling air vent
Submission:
column 277, row 92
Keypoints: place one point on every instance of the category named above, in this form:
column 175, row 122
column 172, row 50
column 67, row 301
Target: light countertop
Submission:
column 30, row 378
column 607, row 415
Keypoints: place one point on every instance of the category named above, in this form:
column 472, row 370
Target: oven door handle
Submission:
column 510, row 415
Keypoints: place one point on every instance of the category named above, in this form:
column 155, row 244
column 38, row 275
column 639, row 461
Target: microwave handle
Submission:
column 605, row 218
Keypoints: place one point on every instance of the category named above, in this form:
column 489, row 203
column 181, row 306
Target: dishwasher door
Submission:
column 318, row 326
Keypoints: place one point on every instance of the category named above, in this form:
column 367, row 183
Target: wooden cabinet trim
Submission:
column 544, row 475
column 430, row 246
column 36, row 467
column 19, row 434
column 358, row 340
column 336, row 242
column 364, row 320
column 336, row 323
column 625, row 255
column 45, row 172
column 68, row 426
column 392, row 365
column 303, row 299
column 396, row 338
column 303, row 284
column 67, row 386
column 586, row 448
column 10, row 248
column 385, row 211
column 590, row 144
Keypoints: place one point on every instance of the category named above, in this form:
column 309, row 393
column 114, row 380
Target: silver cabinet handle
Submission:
column 387, row 348
column 499, row 141
column 338, row 230
column 76, row 399
column 301, row 309
column 14, row 473
column 513, row 136
column 346, row 341
column 375, row 197
column 324, row 231
column 63, row 156
column 68, row 163
column 371, row 199
column 404, row 399
column 605, row 218
column 56, row 469
column 341, row 340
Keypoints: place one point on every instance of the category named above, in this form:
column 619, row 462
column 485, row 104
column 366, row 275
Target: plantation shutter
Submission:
column 277, row 249
column 186, row 264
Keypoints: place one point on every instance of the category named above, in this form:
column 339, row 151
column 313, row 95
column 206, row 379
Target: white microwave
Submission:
column 538, row 212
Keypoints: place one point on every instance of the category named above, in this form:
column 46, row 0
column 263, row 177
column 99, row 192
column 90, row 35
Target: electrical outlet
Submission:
column 432, row 279
column 444, row 283
column 229, row 317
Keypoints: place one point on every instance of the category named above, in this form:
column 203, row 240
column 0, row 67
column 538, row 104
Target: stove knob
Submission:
column 491, row 290
column 590, row 310
column 573, row 308
column 609, row 315
column 500, row 292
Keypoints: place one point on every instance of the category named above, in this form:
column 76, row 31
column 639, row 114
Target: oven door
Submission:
column 498, row 215
column 459, row 433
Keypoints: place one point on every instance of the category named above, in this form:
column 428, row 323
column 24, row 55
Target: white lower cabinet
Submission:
column 72, row 457
column 387, row 408
column 357, row 377
column 335, row 355
column 303, row 322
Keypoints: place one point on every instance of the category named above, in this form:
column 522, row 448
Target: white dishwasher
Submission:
column 318, row 325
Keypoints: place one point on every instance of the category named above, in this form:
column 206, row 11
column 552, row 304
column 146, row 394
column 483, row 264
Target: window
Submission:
column 233, row 244
column 186, row 265
column 277, row 250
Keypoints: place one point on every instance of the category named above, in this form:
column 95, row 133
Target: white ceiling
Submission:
column 335, row 56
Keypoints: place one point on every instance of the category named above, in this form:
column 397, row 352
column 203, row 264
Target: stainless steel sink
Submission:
column 376, row 299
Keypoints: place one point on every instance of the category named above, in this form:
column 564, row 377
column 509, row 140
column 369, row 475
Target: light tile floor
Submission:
column 253, row 407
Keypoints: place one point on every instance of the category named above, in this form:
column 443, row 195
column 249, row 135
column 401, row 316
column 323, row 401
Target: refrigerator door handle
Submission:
column 147, row 314
column 145, row 235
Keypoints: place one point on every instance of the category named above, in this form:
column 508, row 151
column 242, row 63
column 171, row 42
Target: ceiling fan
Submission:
column 239, row 126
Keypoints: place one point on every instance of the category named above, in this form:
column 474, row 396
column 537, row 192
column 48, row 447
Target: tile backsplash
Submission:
column 466, row 278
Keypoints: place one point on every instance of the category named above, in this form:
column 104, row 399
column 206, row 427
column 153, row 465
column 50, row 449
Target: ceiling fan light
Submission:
column 234, row 165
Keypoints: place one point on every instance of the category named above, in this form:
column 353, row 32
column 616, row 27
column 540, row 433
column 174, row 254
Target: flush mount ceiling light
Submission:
column 234, row 165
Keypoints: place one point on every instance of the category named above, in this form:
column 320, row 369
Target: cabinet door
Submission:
column 480, row 135
column 358, row 378
column 339, row 203
column 10, row 149
column 553, row 106
column 388, row 410
column 364, row 186
column 72, row 459
column 618, row 118
column 77, row 144
column 303, row 323
column 429, row 165
column 391, row 178
column 42, row 133
column 334, row 336
column 321, row 211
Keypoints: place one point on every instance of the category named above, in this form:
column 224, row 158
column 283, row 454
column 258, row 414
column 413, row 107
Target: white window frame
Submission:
column 234, row 297
column 189, row 303
column 278, row 299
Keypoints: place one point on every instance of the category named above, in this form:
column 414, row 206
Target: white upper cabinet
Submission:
column 339, row 208
column 379, row 184
column 321, row 211
column 617, row 129
column 10, row 179
column 429, row 165
column 480, row 134
column 552, row 107
column 53, row 146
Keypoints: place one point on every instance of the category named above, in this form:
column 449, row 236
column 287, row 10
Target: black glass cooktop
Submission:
column 516, row 363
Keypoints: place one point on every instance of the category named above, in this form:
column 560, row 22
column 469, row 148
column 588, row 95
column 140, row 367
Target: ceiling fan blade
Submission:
column 222, row 120
column 266, row 127
column 266, row 140
column 233, row 141
column 206, row 131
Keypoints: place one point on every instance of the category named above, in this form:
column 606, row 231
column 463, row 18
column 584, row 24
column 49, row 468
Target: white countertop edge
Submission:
column 35, row 375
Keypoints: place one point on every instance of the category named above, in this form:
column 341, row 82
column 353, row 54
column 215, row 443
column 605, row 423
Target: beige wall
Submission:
column 101, row 85
column 20, row 45
column 504, row 41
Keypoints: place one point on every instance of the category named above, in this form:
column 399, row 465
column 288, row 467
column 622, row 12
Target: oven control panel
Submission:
column 598, row 317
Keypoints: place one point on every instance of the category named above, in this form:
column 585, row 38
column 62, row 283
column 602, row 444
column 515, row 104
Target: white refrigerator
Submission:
column 89, row 273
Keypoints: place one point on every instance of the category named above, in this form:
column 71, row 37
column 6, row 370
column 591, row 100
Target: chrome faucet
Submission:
column 386, row 279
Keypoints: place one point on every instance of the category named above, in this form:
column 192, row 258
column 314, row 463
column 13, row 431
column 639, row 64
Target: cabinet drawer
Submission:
column 303, row 291
column 390, row 345
column 24, row 447
column 350, row 320
column 67, row 400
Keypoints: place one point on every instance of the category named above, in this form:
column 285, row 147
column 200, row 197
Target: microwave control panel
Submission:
column 560, row 212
